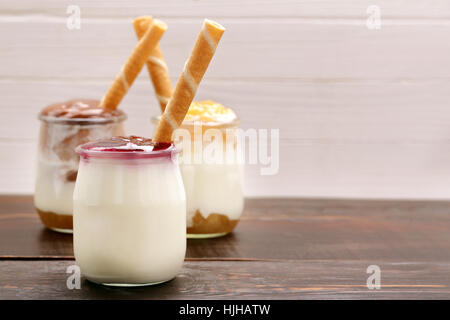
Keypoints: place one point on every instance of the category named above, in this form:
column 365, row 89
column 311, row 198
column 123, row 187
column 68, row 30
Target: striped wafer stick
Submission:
column 134, row 64
column 156, row 65
column 187, row 84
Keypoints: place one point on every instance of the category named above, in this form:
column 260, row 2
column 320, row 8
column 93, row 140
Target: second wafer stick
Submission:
column 187, row 84
column 134, row 64
column 157, row 67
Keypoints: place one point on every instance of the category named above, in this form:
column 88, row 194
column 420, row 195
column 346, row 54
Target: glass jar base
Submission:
column 130, row 285
column 68, row 231
column 206, row 235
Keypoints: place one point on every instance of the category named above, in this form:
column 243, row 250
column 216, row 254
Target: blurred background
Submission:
column 361, row 102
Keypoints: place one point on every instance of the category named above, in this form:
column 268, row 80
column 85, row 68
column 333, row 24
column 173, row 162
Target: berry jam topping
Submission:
column 126, row 144
column 79, row 109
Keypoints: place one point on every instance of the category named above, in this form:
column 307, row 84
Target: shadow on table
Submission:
column 222, row 247
column 167, row 290
column 55, row 244
column 47, row 235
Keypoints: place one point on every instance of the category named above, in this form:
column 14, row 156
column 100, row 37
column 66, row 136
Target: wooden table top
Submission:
column 281, row 249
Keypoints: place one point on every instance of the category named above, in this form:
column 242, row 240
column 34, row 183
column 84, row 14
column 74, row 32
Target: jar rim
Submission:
column 126, row 155
column 82, row 121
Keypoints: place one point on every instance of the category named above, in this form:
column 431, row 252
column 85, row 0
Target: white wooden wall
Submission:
column 362, row 113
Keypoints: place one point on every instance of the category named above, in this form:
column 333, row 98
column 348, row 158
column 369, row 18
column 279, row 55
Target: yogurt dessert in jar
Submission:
column 64, row 126
column 214, row 185
column 210, row 213
column 129, row 212
column 69, row 124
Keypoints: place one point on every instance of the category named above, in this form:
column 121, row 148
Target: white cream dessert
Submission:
column 213, row 208
column 129, row 212
column 214, row 189
column 64, row 126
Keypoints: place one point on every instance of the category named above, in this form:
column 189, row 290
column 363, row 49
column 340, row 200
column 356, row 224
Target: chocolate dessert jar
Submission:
column 64, row 126
column 213, row 184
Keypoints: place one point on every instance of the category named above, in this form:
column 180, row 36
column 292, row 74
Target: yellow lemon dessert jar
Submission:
column 211, row 170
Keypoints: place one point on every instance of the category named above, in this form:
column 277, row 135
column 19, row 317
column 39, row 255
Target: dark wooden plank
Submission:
column 276, row 229
column 16, row 204
column 239, row 280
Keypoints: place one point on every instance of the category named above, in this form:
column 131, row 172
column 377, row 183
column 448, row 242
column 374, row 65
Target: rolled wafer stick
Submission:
column 157, row 67
column 187, row 84
column 134, row 64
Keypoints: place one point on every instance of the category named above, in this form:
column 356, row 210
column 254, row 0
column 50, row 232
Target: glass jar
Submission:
column 212, row 176
column 57, row 162
column 129, row 215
